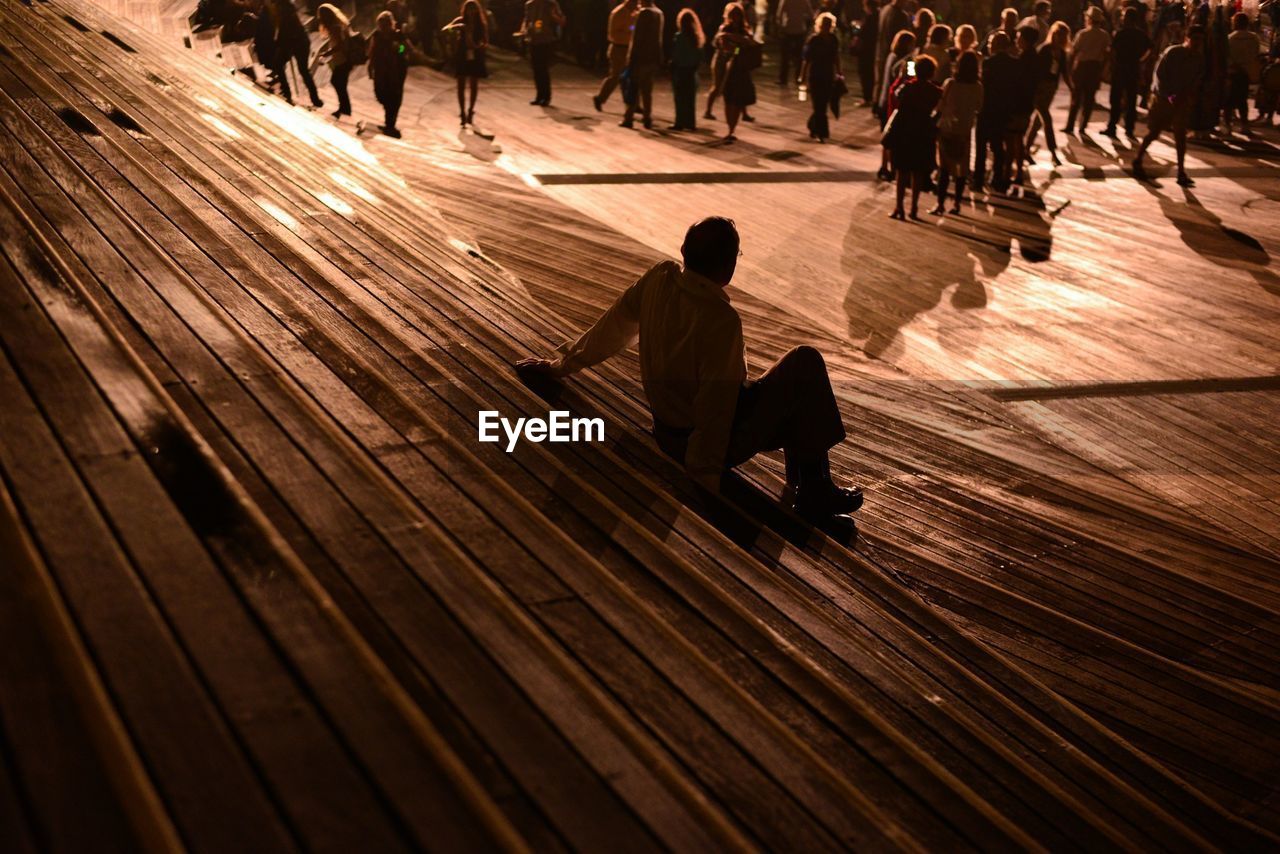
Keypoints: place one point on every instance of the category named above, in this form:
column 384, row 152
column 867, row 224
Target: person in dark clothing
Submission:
column 425, row 22
column 686, row 57
column 819, row 70
column 644, row 58
column 1000, row 87
column 706, row 413
column 1129, row 51
column 291, row 43
column 1051, row 62
column 541, row 20
column 1177, row 80
column 471, row 33
column 893, row 19
column 912, row 137
column 865, row 48
column 337, row 50
column 388, row 67
column 1028, row 68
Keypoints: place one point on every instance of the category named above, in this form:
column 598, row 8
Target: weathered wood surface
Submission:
column 1026, row 646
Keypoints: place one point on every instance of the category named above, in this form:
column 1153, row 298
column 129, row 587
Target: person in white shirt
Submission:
column 706, row 413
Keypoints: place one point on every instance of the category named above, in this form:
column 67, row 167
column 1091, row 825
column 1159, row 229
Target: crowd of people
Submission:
column 957, row 108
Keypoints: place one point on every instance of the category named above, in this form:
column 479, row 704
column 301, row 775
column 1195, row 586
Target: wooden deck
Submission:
column 266, row 592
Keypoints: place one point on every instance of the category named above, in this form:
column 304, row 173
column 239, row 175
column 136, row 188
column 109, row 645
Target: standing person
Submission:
column 865, row 48
column 337, row 49
column 706, row 413
column 1039, row 19
column 644, row 58
column 1009, row 26
column 923, row 24
column 792, row 26
column 1090, row 50
column 291, row 43
column 1051, row 61
column 966, row 40
column 820, row 68
column 1024, row 105
column 939, row 50
column 1000, row 87
column 722, row 52
column 744, row 57
column 541, row 20
column 893, row 20
column 1130, row 49
column 686, row 57
column 1177, row 78
column 1243, row 68
column 388, row 66
column 621, row 22
column 911, row 135
column 472, row 33
column 958, row 108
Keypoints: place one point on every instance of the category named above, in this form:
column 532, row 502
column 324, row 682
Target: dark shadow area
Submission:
column 1205, row 234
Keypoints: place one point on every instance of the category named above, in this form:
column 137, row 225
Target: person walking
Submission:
column 792, row 25
column 1177, row 78
column 291, row 43
column 542, row 19
column 865, row 48
column 819, row 71
column 958, row 108
column 735, row 41
column 1000, row 88
column 1039, row 18
column 644, row 58
column 388, row 67
column 337, row 50
column 1130, row 49
column 1244, row 66
column 706, row 414
column 686, row 57
column 912, row 137
column 621, row 22
column 1051, row 61
column 1090, row 50
column 471, row 31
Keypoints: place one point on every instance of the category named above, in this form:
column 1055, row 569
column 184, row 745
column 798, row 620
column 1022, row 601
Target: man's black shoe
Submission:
column 825, row 499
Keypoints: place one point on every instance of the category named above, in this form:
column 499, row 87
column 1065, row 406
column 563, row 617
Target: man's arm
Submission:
column 616, row 329
column 720, row 378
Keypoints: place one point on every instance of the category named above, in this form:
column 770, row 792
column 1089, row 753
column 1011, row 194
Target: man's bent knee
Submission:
column 805, row 358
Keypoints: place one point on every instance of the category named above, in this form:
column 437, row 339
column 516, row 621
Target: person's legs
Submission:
column 302, row 56
column 820, row 96
column 867, row 77
column 617, row 61
column 1180, row 146
column 1130, row 106
column 901, row 195
column 793, row 407
column 918, row 179
column 462, row 98
column 341, row 75
column 731, row 114
column 540, row 60
column 1117, row 104
column 944, row 182
column 281, row 70
column 644, row 87
column 475, row 91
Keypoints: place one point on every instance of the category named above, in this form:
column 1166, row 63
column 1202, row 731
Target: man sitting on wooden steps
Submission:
column 706, row 413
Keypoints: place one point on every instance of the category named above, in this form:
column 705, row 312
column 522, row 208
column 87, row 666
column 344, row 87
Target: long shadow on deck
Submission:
column 960, row 252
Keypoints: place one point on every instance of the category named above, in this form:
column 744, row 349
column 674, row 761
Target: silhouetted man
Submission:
column 692, row 363
column 1000, row 91
column 1177, row 78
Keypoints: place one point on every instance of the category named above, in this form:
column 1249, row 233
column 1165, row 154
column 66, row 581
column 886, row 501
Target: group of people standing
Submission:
column 998, row 93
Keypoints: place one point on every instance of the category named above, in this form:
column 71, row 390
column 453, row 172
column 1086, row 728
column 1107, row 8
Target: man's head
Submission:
column 1009, row 18
column 711, row 248
column 925, row 67
column 1043, row 9
column 999, row 43
column 1132, row 18
column 1027, row 38
column 1195, row 37
column 1240, row 21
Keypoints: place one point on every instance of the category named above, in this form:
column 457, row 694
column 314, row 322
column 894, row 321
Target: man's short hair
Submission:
column 1028, row 34
column 1240, row 21
column 999, row 42
column 1043, row 7
column 710, row 245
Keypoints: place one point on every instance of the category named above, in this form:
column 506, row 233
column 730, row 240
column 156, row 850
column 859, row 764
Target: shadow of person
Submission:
column 1204, row 233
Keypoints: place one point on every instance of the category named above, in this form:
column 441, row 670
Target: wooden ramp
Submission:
column 265, row 591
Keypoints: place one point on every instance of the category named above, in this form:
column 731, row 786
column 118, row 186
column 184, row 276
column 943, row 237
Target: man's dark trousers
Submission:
column 791, row 407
